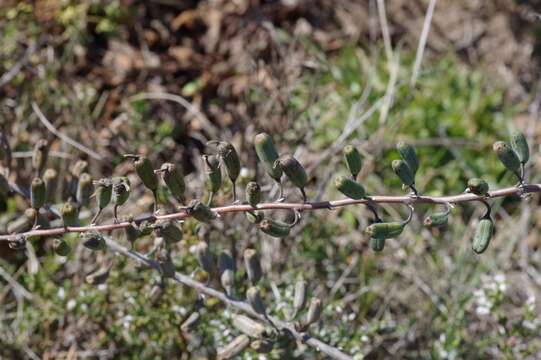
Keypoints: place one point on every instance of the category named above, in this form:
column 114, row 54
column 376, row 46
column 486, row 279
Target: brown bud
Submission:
column 248, row 326
column 253, row 266
column 204, row 256
column 255, row 300
column 234, row 348
column 40, row 155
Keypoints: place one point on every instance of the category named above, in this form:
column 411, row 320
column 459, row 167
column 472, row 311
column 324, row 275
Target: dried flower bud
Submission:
column 262, row 346
column 353, row 159
column 350, row 188
column 23, row 223
column 37, row 193
column 227, row 279
column 248, row 326
column 507, row 156
column 377, row 244
column 93, row 240
column 482, row 235
column 234, row 348
column 201, row 211
column 40, row 155
column 520, row 146
column 191, row 322
column 267, row 154
column 253, row 193
column 98, row 277
column 437, row 219
column 50, row 178
column 144, row 170
column 84, row 189
column 385, row 230
column 314, row 312
column 132, row 233
column 409, row 155
column 274, row 228
column 230, row 159
column 70, row 214
column 299, row 298
column 255, row 217
column 204, row 256
column 121, row 191
column 294, row 171
column 478, row 186
column 255, row 300
column 214, row 174
column 170, row 232
column 61, row 247
column 403, row 171
column 174, row 179
column 252, row 265
column 104, row 190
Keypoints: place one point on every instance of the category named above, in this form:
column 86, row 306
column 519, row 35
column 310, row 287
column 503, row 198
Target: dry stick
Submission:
column 240, row 305
column 377, row 199
column 63, row 136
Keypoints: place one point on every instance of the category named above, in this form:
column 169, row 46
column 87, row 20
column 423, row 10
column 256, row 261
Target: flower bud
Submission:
column 204, row 256
column 437, row 219
column 482, row 235
column 104, row 190
column 255, row 300
column 214, row 174
column 234, row 348
column 23, row 223
column 248, row 326
column 267, row 154
column 144, row 170
column 350, row 188
column 174, row 179
column 201, row 211
column 478, row 186
column 262, row 346
column 377, row 244
column 98, row 277
column 167, row 267
column 353, row 159
column 403, row 171
column 132, row 233
column 61, row 247
column 227, row 279
column 225, row 262
column 69, row 214
column 121, row 191
column 191, row 322
column 314, row 312
column 520, row 146
column 230, row 158
column 409, row 155
column 274, row 228
column 299, row 298
column 18, row 244
column 50, row 178
column 170, row 232
column 252, row 265
column 5, row 189
column 40, row 155
column 84, row 189
column 255, row 217
column 507, row 156
column 93, row 240
column 253, row 193
column 385, row 230
column 37, row 193
column 294, row 171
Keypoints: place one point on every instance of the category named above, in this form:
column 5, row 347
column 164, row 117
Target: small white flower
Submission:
column 71, row 304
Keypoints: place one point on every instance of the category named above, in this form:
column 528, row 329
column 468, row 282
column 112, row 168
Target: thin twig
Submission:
column 63, row 136
column 422, row 43
column 240, row 305
column 377, row 199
